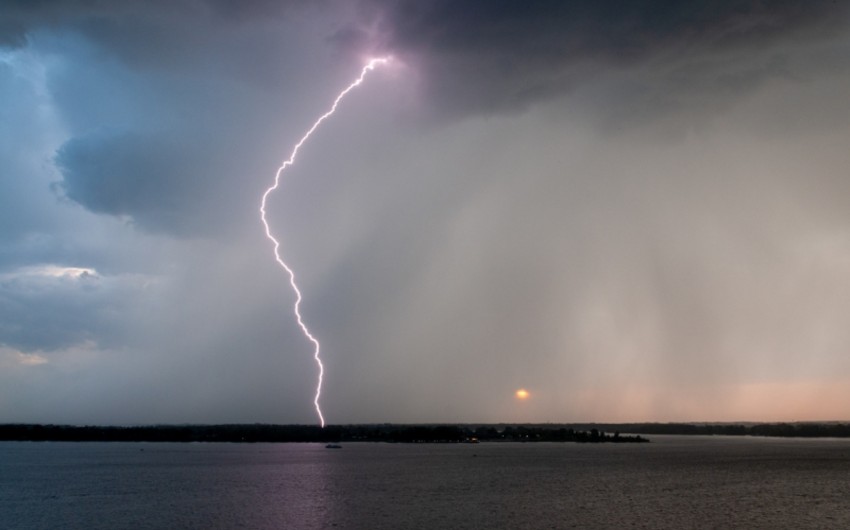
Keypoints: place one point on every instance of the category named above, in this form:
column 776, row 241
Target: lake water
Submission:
column 675, row 482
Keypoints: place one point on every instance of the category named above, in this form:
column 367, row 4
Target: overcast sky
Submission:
column 636, row 211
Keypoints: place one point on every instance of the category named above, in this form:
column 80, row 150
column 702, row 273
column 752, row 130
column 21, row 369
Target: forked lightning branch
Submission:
column 371, row 65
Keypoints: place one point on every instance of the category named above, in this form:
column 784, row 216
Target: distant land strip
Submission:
column 416, row 433
column 250, row 433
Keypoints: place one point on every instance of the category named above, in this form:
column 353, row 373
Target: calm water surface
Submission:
column 675, row 482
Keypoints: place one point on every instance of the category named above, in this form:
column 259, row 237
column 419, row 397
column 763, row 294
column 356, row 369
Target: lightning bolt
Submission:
column 371, row 65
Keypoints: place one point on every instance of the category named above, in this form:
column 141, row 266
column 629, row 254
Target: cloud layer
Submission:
column 634, row 210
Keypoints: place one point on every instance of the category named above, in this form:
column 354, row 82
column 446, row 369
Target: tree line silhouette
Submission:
column 399, row 433
column 392, row 433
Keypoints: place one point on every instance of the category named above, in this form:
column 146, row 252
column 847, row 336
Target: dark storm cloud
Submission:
column 23, row 16
column 147, row 177
column 12, row 32
column 135, row 27
column 151, row 96
column 482, row 56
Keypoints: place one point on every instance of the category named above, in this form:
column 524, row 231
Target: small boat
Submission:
column 333, row 446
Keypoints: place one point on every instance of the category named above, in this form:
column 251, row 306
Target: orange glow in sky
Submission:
column 522, row 393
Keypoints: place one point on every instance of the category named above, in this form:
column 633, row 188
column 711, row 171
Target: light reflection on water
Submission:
column 675, row 482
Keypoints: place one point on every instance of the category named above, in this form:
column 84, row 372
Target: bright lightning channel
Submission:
column 371, row 65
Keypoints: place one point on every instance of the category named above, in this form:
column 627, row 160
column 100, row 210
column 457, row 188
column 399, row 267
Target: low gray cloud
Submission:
column 49, row 308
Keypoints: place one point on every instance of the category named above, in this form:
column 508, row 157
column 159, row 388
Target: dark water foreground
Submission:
column 675, row 482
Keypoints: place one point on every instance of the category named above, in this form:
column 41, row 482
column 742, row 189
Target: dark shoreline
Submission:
column 415, row 433
column 392, row 433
